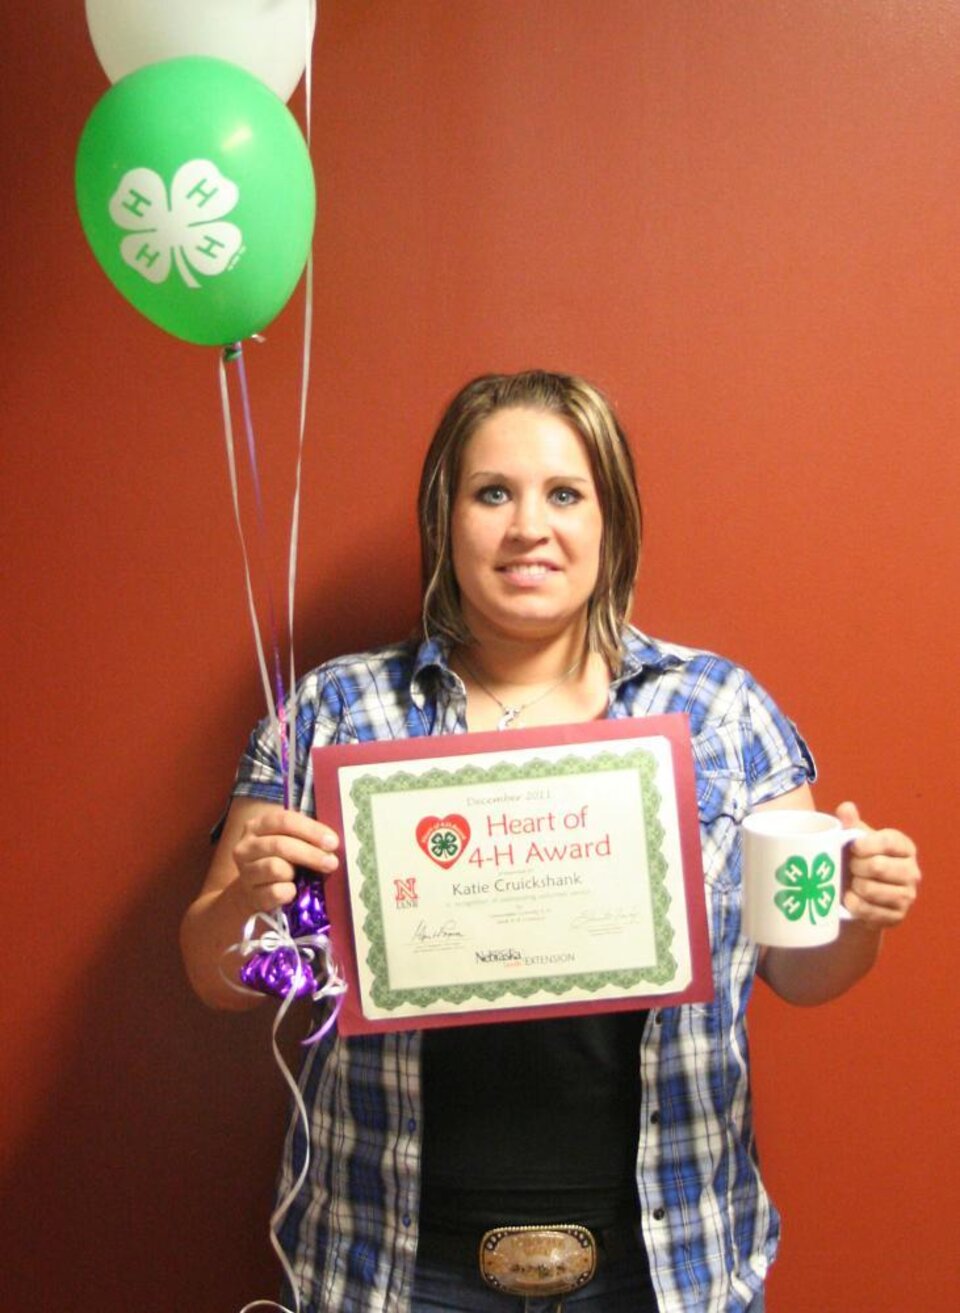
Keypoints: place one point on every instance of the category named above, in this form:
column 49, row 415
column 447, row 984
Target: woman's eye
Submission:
column 492, row 495
column 565, row 496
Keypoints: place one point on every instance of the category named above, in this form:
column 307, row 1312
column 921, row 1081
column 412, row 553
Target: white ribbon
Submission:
column 272, row 709
column 277, row 934
column 312, row 17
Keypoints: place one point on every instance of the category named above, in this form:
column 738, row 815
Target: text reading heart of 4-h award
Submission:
column 501, row 876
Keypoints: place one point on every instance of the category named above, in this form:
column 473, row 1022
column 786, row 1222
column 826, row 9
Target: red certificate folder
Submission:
column 445, row 749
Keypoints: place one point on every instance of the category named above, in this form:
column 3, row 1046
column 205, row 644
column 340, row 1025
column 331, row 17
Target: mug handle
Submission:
column 849, row 835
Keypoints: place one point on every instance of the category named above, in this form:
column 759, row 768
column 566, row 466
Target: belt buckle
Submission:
column 538, row 1260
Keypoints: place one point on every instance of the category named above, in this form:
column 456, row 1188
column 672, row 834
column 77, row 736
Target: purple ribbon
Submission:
column 283, row 970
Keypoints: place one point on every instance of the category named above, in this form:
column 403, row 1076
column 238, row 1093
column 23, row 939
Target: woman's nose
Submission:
column 529, row 519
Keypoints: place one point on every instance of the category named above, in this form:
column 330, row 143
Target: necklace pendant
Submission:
column 509, row 716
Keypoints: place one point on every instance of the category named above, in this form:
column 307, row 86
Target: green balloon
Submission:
column 196, row 193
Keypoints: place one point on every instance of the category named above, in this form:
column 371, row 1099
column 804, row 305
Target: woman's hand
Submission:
column 883, row 873
column 882, row 887
column 272, row 844
column 253, row 870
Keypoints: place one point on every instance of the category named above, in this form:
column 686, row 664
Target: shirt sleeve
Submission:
column 259, row 774
column 776, row 756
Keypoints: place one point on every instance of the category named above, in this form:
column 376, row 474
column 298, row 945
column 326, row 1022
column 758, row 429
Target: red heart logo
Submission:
column 443, row 839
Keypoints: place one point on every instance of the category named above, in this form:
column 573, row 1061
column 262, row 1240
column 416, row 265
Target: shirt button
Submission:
column 406, row 1219
column 659, row 1214
column 655, row 1116
column 412, row 1124
column 658, row 1018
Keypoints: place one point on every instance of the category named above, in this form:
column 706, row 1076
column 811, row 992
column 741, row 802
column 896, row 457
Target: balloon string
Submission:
column 280, row 695
column 311, row 19
column 334, row 985
column 229, row 355
column 295, row 512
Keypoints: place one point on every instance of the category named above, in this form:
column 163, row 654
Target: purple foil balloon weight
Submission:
column 307, row 914
column 276, row 973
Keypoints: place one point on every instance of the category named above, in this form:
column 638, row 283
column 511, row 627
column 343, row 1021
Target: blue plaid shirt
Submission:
column 710, row 1229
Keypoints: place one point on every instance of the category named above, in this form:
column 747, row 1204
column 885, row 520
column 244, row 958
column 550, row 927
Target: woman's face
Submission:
column 526, row 527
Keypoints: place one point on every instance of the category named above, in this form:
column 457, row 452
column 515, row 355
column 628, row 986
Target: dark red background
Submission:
column 739, row 217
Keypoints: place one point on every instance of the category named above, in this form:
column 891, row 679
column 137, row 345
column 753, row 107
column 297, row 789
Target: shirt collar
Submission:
column 641, row 653
column 432, row 662
column 431, row 666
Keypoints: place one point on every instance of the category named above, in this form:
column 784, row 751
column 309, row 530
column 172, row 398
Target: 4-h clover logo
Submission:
column 187, row 230
column 445, row 843
column 809, row 890
column 443, row 839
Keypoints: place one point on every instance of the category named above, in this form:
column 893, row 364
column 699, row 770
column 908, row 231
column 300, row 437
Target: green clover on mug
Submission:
column 811, row 890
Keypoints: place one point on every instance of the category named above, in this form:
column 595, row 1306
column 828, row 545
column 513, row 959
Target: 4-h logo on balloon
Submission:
column 187, row 229
column 808, row 889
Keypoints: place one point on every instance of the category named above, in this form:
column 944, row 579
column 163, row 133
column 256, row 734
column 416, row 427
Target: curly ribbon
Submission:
column 293, row 945
column 292, row 957
column 281, row 960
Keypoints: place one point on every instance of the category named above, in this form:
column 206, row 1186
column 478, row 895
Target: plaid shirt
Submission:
column 709, row 1227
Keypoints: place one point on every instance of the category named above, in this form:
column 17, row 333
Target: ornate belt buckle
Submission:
column 538, row 1260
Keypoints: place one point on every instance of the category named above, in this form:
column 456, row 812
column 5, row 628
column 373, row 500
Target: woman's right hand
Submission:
column 253, row 870
column 273, row 843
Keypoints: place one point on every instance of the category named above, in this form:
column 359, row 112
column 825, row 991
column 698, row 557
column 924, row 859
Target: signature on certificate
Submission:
column 606, row 920
column 427, row 934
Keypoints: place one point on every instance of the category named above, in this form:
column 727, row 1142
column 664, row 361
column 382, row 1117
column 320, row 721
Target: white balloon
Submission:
column 269, row 38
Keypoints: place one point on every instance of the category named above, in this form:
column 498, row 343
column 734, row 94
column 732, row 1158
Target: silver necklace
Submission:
column 510, row 713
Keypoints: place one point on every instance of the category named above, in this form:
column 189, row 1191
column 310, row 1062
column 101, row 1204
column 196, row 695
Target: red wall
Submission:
column 741, row 217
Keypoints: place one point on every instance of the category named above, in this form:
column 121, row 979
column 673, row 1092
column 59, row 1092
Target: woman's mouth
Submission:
column 526, row 572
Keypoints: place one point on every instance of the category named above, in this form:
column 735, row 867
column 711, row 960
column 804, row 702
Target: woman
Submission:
column 530, row 534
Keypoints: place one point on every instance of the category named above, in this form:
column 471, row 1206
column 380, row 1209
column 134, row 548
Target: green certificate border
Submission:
column 367, row 787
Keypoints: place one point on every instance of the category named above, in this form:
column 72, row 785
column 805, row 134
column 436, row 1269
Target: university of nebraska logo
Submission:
column 443, row 840
column 405, row 892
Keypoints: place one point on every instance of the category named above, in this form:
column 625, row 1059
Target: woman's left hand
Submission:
column 883, row 873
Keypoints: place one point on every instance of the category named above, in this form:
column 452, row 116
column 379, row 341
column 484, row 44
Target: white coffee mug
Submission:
column 792, row 887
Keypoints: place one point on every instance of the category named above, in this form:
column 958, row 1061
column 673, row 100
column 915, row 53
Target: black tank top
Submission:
column 532, row 1121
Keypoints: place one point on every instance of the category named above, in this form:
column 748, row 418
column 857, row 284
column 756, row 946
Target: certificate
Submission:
column 500, row 876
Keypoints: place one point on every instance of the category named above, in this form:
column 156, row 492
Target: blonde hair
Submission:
column 611, row 464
